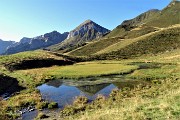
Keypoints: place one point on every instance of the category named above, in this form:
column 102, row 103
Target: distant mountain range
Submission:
column 85, row 32
column 38, row 42
column 144, row 23
column 4, row 45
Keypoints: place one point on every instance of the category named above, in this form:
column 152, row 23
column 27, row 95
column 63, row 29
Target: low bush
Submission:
column 52, row 105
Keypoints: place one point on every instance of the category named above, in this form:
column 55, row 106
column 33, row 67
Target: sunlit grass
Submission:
column 80, row 70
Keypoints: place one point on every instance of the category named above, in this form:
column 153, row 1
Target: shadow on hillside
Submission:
column 30, row 64
column 8, row 86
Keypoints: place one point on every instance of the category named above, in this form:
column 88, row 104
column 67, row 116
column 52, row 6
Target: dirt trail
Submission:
column 171, row 57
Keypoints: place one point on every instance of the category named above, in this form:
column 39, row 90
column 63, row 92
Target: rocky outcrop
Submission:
column 87, row 28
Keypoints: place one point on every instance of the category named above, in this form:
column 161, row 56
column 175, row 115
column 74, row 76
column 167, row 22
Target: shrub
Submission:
column 42, row 105
column 100, row 98
column 41, row 116
column 52, row 105
column 81, row 100
column 114, row 93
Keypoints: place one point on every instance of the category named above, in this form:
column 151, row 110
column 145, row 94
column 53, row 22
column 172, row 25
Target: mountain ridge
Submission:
column 4, row 45
column 153, row 18
column 38, row 42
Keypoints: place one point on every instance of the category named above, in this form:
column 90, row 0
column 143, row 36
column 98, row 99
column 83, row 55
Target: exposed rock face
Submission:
column 25, row 40
column 4, row 45
column 38, row 42
column 85, row 32
column 88, row 27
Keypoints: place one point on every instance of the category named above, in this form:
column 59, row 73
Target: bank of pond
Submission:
column 65, row 92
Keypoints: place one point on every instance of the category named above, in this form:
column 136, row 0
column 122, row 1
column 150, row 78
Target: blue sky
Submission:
column 30, row 18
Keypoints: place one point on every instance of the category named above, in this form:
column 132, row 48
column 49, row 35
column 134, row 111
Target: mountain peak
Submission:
column 87, row 21
column 173, row 2
column 153, row 10
column 85, row 28
column 85, row 32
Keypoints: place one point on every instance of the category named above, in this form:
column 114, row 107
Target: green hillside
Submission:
column 170, row 15
column 154, row 18
column 31, row 59
column 162, row 41
column 94, row 47
column 128, row 25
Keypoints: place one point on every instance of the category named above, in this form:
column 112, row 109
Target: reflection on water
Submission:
column 29, row 115
column 91, row 90
column 65, row 94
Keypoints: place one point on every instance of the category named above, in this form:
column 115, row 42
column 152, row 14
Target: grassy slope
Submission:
column 165, row 40
column 94, row 47
column 171, row 12
column 121, row 44
column 26, row 56
column 136, row 31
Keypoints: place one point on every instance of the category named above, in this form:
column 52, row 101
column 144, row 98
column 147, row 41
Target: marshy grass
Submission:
column 158, row 101
column 81, row 70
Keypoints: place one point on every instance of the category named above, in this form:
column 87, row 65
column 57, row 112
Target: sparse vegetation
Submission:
column 42, row 105
column 52, row 105
column 41, row 116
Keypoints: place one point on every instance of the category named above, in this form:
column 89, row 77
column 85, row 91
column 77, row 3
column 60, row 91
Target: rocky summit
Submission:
column 85, row 32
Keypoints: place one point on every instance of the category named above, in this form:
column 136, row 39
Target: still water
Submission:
column 65, row 91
